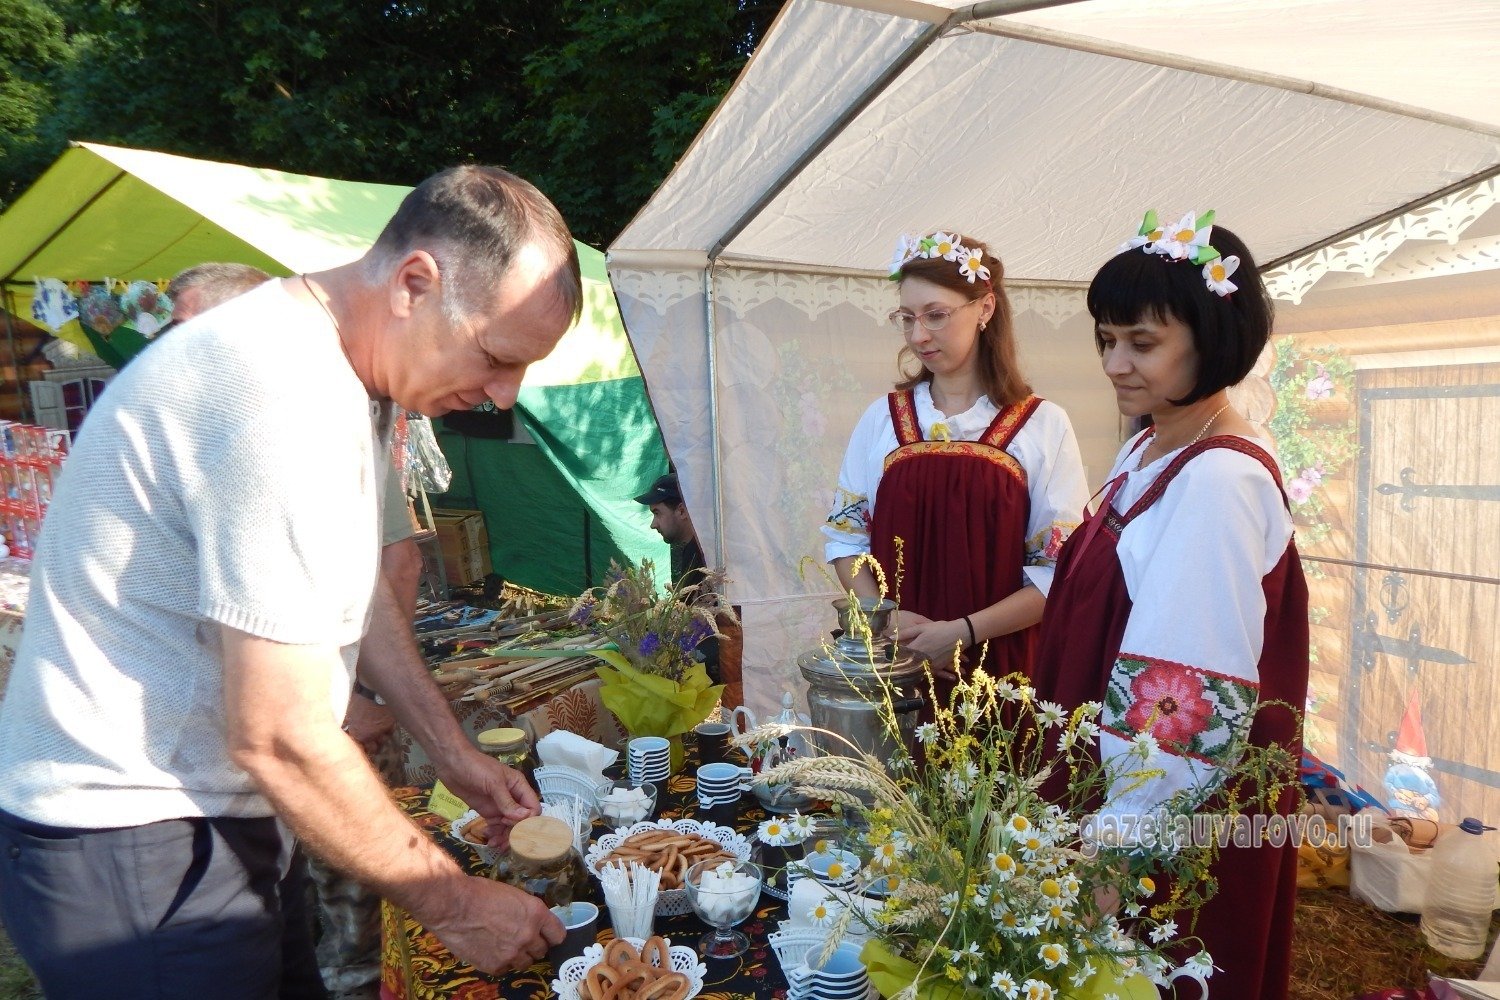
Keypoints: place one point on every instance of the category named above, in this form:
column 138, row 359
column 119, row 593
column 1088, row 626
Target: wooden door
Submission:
column 1424, row 597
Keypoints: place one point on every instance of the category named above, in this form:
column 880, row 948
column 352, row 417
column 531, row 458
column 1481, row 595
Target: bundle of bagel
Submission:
column 627, row 974
column 668, row 853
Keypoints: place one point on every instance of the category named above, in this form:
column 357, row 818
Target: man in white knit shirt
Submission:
column 204, row 577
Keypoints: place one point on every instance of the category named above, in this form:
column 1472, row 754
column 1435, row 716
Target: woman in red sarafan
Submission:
column 1179, row 605
column 979, row 480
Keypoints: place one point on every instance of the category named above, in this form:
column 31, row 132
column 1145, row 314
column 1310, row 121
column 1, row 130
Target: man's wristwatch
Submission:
column 367, row 692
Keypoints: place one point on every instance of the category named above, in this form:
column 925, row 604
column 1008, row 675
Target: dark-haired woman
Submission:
column 976, row 480
column 1180, row 604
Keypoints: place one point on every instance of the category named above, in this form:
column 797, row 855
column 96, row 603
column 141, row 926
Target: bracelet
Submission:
column 972, row 640
column 365, row 692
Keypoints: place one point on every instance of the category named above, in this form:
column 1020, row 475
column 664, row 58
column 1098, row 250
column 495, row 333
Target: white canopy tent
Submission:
column 1327, row 133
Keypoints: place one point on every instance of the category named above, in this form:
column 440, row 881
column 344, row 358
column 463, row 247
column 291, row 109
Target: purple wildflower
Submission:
column 582, row 612
column 650, row 643
column 693, row 636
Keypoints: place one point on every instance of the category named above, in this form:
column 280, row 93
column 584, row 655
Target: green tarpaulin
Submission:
column 125, row 214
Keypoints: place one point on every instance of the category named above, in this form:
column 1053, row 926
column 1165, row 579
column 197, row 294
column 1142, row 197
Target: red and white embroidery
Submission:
column 1192, row 712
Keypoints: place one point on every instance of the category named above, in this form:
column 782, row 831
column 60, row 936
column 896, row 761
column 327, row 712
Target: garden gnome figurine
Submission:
column 1409, row 789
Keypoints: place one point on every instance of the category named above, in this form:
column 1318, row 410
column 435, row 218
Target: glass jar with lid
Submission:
column 542, row 861
column 510, row 746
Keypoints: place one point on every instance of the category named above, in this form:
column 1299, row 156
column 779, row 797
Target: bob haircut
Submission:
column 999, row 371
column 1229, row 333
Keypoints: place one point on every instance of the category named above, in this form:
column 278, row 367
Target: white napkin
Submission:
column 561, row 748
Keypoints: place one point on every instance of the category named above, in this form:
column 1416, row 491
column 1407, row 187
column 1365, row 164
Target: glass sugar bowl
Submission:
column 541, row 860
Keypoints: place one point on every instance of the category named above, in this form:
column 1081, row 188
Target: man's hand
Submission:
column 494, row 927
column 498, row 793
column 367, row 723
column 936, row 641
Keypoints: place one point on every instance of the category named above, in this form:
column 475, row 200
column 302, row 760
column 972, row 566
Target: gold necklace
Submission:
column 1140, row 462
column 1206, row 425
column 337, row 332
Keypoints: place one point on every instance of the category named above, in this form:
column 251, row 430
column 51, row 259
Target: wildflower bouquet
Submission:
column 654, row 684
column 993, row 886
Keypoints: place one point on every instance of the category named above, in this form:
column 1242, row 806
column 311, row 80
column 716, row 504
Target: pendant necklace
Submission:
column 337, row 332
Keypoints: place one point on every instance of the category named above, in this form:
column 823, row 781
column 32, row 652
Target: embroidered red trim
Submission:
column 963, row 449
column 1009, row 421
column 904, row 417
column 1156, row 661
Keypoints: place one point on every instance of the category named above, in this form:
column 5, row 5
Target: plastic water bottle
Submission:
column 1461, row 893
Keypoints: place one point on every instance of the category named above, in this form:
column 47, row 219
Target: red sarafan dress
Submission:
column 1179, row 605
column 981, row 502
column 948, row 501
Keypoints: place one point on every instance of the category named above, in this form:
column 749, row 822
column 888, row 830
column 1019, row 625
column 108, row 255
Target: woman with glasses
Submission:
column 961, row 483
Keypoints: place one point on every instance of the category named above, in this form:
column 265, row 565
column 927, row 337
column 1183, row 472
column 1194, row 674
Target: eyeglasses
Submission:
column 932, row 319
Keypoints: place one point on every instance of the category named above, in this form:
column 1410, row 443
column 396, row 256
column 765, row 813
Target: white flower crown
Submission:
column 909, row 248
column 1188, row 240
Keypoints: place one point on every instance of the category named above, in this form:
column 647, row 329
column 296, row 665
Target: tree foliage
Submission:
column 33, row 52
column 616, row 102
column 592, row 101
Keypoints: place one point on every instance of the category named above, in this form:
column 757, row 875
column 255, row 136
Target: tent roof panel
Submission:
column 332, row 222
column 1054, row 154
column 799, row 87
column 110, row 212
column 1439, row 54
column 1330, row 113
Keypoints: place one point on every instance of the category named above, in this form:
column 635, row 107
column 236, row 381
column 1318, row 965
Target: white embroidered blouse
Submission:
column 1193, row 563
column 1045, row 446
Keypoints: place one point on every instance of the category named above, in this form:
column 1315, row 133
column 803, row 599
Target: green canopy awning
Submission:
column 126, row 214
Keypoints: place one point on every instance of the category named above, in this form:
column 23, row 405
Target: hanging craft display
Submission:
column 52, row 304
column 110, row 318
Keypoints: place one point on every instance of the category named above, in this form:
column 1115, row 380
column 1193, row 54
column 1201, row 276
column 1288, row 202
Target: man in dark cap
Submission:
column 670, row 519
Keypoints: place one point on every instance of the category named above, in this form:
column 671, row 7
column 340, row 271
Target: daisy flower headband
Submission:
column 1188, row 240
column 945, row 245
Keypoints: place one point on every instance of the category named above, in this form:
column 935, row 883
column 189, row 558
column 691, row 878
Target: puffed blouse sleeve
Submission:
column 1187, row 675
column 846, row 531
column 1058, row 493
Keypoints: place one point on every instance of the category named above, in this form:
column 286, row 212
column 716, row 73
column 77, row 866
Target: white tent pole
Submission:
column 920, row 44
column 717, row 449
column 1079, row 43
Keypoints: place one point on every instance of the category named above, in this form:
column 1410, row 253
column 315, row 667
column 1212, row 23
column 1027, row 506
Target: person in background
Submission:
column 205, row 577
column 670, row 519
column 1180, row 605
column 348, row 949
column 961, row 483
column 197, row 289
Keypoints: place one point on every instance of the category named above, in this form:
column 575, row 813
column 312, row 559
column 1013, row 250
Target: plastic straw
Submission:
column 630, row 893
